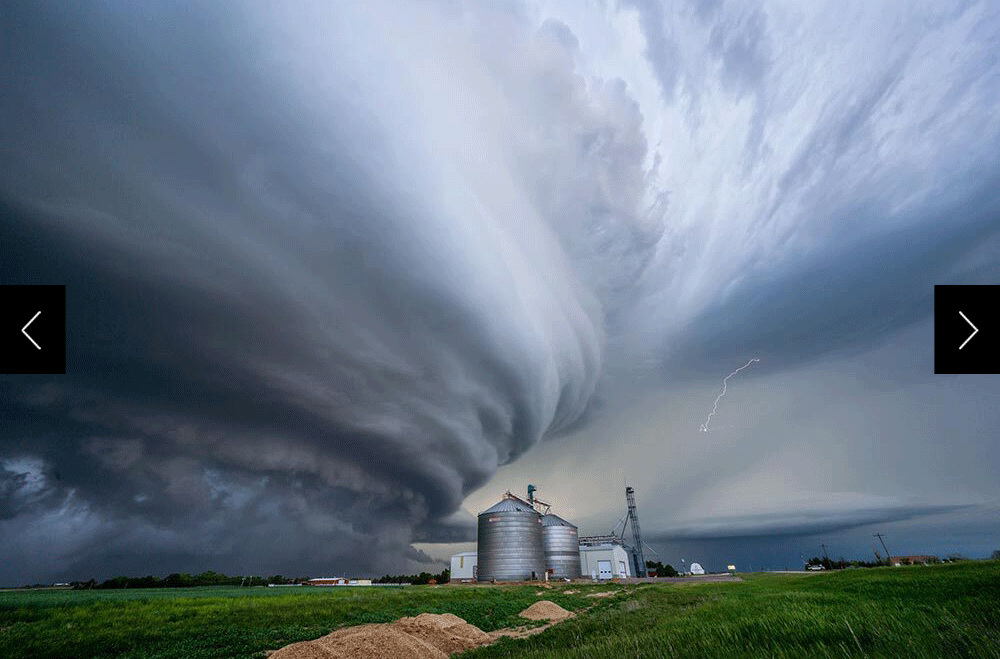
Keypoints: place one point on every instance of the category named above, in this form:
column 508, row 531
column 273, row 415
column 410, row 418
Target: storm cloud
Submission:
column 328, row 268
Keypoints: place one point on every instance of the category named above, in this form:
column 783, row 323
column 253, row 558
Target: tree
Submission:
column 658, row 569
column 995, row 555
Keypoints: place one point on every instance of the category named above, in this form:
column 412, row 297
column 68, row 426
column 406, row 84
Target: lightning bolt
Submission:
column 715, row 408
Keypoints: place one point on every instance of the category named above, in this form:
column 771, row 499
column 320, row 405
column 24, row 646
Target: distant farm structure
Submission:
column 338, row 581
column 521, row 539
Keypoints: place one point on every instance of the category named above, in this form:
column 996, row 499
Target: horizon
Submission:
column 953, row 558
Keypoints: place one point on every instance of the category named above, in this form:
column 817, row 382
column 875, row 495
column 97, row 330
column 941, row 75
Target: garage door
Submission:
column 604, row 569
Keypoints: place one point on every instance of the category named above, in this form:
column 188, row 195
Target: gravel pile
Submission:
column 545, row 610
column 426, row 636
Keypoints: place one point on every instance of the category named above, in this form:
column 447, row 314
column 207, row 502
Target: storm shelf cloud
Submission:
column 329, row 268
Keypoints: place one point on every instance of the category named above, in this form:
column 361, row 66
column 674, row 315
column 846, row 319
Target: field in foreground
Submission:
column 940, row 611
column 948, row 610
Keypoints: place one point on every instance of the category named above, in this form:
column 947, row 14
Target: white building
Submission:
column 463, row 566
column 696, row 568
column 605, row 562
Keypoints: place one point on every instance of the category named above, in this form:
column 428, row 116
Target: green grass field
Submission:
column 940, row 611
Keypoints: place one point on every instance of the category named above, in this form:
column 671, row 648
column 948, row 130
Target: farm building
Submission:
column 914, row 560
column 463, row 566
column 606, row 561
column 327, row 581
column 523, row 540
column 338, row 581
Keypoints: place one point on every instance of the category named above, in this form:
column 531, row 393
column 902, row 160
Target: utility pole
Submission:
column 888, row 557
column 825, row 555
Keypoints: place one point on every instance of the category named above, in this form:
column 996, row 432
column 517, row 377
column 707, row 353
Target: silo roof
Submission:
column 509, row 506
column 555, row 520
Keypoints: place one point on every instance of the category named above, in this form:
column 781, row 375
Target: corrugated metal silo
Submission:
column 561, row 543
column 510, row 542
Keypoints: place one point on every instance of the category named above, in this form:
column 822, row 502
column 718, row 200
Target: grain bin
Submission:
column 510, row 542
column 561, row 544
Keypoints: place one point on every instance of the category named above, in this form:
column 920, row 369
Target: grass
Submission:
column 197, row 623
column 941, row 611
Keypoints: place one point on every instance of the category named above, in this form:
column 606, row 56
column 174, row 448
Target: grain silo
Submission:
column 510, row 542
column 561, row 543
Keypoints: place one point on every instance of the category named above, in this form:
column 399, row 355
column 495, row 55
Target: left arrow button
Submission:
column 34, row 339
column 24, row 330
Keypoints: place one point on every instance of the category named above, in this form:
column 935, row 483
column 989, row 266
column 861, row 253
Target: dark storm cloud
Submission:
column 459, row 527
column 800, row 523
column 289, row 340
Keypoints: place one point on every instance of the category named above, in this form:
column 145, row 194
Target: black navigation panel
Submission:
column 33, row 330
column 966, row 329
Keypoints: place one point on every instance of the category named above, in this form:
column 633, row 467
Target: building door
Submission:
column 604, row 569
column 622, row 570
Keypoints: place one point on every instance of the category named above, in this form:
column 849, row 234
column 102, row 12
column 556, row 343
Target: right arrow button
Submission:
column 959, row 346
column 975, row 330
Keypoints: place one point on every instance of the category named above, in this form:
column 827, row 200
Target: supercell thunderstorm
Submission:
column 328, row 269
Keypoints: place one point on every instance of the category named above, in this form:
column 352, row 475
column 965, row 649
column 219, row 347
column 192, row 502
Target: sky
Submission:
column 340, row 276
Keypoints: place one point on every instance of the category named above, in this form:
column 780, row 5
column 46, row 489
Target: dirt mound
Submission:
column 545, row 610
column 426, row 636
column 445, row 631
column 377, row 641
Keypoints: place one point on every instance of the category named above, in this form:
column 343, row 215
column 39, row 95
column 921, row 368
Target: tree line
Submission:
column 828, row 564
column 210, row 578
column 421, row 579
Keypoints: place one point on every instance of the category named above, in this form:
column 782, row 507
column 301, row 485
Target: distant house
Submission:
column 327, row 581
column 338, row 581
column 914, row 560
